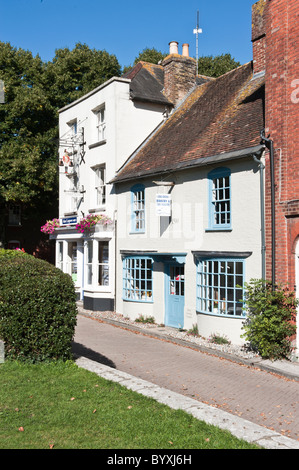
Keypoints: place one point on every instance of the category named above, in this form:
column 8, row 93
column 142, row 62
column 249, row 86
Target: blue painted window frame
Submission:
column 138, row 209
column 138, row 279
column 220, row 199
column 220, row 286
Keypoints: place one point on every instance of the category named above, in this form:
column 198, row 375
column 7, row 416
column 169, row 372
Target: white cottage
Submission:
column 190, row 209
column 96, row 134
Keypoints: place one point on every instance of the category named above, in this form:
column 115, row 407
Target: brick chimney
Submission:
column 179, row 73
column 258, row 36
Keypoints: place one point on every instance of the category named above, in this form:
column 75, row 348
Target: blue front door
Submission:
column 174, row 296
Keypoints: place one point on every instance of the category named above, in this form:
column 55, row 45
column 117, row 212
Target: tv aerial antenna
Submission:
column 197, row 31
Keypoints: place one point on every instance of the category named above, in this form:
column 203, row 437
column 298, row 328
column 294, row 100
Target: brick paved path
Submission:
column 258, row 396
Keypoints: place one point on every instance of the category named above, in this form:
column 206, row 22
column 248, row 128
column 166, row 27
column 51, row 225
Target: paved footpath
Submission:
column 237, row 391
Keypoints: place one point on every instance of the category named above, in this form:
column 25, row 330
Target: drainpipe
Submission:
column 263, row 249
column 270, row 146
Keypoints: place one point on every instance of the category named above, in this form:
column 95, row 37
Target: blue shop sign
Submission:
column 69, row 221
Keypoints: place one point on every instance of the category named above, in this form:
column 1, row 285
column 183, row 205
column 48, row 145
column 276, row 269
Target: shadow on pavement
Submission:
column 80, row 350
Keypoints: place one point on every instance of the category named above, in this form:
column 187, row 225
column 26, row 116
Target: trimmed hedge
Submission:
column 37, row 308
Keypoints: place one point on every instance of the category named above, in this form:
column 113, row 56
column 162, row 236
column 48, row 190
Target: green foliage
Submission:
column 37, row 308
column 73, row 73
column 194, row 330
column 34, row 91
column 28, row 127
column 143, row 319
column 215, row 66
column 270, row 319
column 150, row 55
column 218, row 339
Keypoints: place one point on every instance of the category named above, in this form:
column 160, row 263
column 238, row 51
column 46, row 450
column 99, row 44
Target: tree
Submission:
column 150, row 55
column 207, row 65
column 215, row 66
column 73, row 73
column 27, row 129
column 34, row 91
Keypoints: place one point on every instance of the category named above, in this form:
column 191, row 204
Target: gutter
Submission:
column 185, row 165
column 269, row 144
column 262, row 203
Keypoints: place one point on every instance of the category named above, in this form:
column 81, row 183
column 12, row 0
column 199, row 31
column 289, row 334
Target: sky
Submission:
column 125, row 28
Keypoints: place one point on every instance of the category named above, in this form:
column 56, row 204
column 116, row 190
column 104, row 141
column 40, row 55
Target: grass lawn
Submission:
column 62, row 406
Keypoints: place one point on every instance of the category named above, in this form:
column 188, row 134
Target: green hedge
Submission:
column 37, row 308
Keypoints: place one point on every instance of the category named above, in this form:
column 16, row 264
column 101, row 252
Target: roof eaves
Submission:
column 95, row 90
column 203, row 161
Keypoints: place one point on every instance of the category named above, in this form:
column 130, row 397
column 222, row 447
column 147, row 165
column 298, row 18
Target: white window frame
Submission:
column 14, row 215
column 72, row 260
column 101, row 123
column 220, row 286
column 220, row 199
column 100, row 185
column 103, row 270
column 138, row 209
column 73, row 129
column 96, row 265
column 138, row 279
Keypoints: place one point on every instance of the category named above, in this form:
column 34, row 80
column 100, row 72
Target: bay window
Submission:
column 220, row 286
column 137, row 279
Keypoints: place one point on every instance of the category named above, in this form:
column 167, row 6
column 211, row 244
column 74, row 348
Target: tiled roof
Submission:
column 221, row 116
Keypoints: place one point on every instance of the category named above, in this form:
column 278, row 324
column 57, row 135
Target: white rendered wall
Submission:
column 187, row 232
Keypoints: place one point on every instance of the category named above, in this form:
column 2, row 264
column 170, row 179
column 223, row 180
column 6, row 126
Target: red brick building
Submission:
column 275, row 50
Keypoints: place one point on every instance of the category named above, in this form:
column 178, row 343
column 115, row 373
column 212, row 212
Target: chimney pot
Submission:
column 185, row 50
column 173, row 47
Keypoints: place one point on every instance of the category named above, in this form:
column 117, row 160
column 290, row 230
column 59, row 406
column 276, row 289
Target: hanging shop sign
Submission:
column 66, row 158
column 163, row 205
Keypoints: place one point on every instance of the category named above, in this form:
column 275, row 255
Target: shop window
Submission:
column 60, row 255
column 72, row 256
column 103, row 263
column 220, row 285
column 89, row 261
column 137, row 279
column 97, row 263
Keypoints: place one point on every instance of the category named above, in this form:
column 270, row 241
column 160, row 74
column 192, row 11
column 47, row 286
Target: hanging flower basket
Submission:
column 91, row 220
column 50, row 226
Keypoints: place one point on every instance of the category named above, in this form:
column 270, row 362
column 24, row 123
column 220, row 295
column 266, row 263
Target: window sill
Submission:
column 139, row 301
column 222, row 315
column 97, row 209
column 97, row 144
column 219, row 229
column 137, row 233
column 98, row 290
